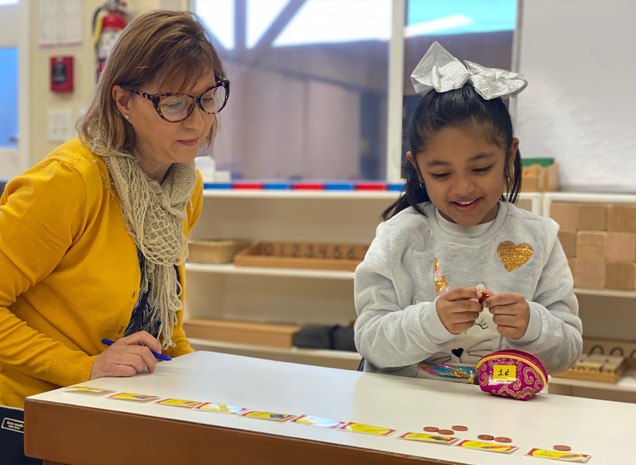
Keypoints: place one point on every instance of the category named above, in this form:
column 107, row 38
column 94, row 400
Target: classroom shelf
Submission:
column 283, row 272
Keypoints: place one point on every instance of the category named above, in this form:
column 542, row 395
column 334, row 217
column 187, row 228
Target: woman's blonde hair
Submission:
column 166, row 47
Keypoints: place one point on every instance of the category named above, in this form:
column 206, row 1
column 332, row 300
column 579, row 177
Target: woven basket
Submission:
column 215, row 250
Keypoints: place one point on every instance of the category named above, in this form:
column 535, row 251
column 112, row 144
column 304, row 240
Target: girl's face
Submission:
column 464, row 172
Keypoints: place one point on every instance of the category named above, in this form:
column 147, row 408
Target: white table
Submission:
column 82, row 429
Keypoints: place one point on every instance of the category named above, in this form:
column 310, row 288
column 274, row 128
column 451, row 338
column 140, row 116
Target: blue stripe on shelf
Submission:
column 217, row 185
column 395, row 187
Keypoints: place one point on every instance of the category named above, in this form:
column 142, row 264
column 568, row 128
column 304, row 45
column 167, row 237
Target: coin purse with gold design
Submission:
column 508, row 373
column 511, row 373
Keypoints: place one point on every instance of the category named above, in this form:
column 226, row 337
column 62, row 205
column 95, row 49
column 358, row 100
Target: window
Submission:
column 9, row 96
column 310, row 78
column 480, row 31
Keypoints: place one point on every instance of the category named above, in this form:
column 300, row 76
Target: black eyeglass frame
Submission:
column 156, row 99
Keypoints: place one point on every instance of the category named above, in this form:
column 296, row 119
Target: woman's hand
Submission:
column 511, row 314
column 459, row 308
column 127, row 356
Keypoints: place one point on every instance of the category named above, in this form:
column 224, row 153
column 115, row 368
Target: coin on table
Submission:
column 503, row 439
column 446, row 432
column 431, row 429
column 459, row 428
column 562, row 448
column 486, row 437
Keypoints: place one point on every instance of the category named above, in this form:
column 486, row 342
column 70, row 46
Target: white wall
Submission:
column 580, row 103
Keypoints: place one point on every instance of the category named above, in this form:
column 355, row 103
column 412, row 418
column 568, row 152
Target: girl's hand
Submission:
column 459, row 308
column 511, row 314
column 127, row 356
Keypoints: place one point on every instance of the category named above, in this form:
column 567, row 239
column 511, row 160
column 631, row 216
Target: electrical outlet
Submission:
column 60, row 125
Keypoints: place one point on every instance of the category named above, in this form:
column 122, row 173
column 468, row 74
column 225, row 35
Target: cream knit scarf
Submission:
column 153, row 214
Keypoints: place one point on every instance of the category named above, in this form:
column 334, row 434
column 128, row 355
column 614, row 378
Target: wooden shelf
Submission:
column 299, row 194
column 257, row 271
column 606, row 293
column 626, row 384
column 317, row 357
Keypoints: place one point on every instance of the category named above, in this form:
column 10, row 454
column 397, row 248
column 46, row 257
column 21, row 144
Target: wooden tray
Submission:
column 277, row 335
column 605, row 368
column 215, row 250
column 302, row 255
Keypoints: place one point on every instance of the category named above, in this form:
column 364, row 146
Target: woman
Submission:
column 93, row 238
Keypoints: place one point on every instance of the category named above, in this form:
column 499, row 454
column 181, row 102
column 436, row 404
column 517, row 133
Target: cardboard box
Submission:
column 619, row 275
column 620, row 247
column 566, row 214
column 621, row 218
column 591, row 245
column 304, row 255
column 539, row 178
column 592, row 217
column 243, row 332
column 568, row 242
column 589, row 273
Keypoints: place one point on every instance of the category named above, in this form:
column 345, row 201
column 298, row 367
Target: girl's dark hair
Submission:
column 434, row 112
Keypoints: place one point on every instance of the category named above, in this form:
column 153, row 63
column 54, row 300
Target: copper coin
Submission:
column 562, row 448
column 503, row 439
column 485, row 437
column 446, row 432
column 431, row 429
column 460, row 428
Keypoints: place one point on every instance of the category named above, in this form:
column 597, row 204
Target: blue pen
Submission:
column 157, row 356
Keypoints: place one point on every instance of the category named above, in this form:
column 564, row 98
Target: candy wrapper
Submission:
column 509, row 373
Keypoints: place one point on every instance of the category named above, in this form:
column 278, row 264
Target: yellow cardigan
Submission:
column 69, row 273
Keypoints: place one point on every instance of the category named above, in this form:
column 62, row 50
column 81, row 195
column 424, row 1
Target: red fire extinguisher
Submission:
column 109, row 21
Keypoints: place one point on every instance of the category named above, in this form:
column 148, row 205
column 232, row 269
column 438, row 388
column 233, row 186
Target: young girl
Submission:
column 458, row 271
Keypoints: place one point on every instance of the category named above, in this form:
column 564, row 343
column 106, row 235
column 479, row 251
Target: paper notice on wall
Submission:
column 60, row 23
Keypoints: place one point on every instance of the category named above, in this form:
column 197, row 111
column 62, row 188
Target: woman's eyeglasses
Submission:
column 174, row 107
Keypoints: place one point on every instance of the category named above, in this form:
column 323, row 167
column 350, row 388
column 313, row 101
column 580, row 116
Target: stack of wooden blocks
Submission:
column 599, row 241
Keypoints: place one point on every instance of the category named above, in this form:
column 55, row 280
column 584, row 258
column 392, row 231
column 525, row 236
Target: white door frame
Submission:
column 15, row 161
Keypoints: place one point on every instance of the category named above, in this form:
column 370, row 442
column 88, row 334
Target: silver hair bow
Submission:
column 441, row 71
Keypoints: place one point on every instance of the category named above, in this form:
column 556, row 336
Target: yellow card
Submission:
column 489, row 446
column 438, row 438
column 268, row 415
column 179, row 403
column 133, row 397
column 220, row 408
column 504, row 372
column 367, row 429
column 558, row 455
column 318, row 421
column 88, row 390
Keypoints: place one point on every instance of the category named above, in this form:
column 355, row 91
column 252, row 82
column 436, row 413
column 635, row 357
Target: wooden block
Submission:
column 621, row 218
column 620, row 247
column 589, row 273
column 619, row 275
column 568, row 242
column 566, row 214
column 592, row 217
column 243, row 332
column 590, row 245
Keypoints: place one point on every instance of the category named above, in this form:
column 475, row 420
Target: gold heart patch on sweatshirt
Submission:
column 514, row 255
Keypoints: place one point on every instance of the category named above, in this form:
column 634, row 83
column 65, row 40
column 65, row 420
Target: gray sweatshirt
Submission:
column 395, row 291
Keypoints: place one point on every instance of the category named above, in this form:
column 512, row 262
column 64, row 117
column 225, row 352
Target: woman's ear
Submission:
column 122, row 99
